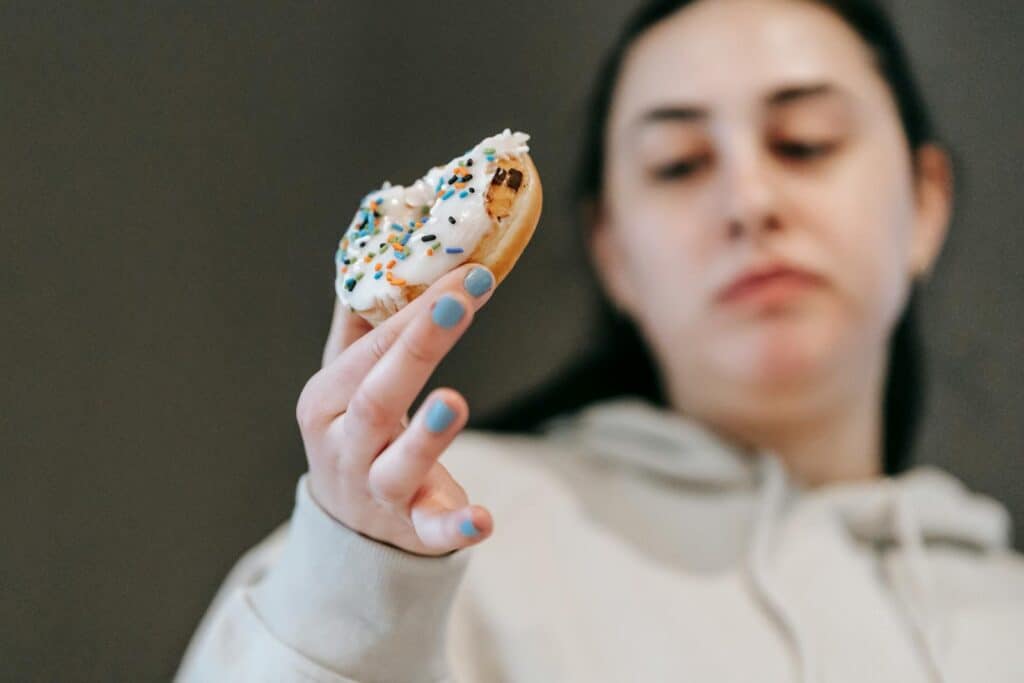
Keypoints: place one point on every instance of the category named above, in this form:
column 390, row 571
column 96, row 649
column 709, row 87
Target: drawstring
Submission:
column 925, row 625
column 769, row 510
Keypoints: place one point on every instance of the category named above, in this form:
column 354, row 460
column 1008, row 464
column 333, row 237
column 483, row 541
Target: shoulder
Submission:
column 968, row 578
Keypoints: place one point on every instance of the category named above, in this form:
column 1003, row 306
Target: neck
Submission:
column 836, row 440
column 844, row 444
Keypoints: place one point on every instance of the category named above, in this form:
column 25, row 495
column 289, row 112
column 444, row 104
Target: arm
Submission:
column 318, row 601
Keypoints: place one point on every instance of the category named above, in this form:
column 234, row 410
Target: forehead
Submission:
column 718, row 52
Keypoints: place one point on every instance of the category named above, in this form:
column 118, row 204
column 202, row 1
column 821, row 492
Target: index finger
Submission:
column 327, row 393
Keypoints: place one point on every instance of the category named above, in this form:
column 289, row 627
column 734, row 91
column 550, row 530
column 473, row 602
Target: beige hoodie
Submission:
column 632, row 545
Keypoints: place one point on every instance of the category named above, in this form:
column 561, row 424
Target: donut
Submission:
column 481, row 207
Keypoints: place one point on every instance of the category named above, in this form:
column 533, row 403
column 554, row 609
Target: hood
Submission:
column 638, row 434
column 922, row 506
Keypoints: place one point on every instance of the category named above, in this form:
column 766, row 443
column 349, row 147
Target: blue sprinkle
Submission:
column 447, row 194
column 463, row 194
column 405, row 240
column 376, row 276
column 396, row 226
column 339, row 255
column 490, row 157
column 440, row 182
column 453, row 250
column 350, row 283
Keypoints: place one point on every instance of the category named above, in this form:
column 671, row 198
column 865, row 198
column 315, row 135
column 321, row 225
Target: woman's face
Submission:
column 761, row 220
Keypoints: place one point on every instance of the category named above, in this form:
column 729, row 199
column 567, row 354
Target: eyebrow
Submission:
column 800, row 92
column 690, row 112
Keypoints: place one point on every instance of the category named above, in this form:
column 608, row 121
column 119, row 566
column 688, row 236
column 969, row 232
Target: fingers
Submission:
column 439, row 527
column 395, row 381
column 402, row 468
column 328, row 393
column 408, row 478
column 346, row 328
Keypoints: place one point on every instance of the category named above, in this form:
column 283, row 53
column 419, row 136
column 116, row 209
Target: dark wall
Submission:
column 174, row 179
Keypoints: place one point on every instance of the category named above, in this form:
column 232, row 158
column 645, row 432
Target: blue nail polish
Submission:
column 438, row 416
column 447, row 311
column 478, row 282
column 466, row 528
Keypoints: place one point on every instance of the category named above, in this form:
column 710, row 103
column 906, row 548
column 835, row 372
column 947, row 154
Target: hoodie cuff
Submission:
column 363, row 608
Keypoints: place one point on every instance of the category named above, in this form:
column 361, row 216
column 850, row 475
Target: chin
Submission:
column 781, row 353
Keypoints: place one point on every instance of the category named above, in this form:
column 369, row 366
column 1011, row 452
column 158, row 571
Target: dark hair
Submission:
column 621, row 363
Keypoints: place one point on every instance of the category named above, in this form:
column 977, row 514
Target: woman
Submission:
column 762, row 194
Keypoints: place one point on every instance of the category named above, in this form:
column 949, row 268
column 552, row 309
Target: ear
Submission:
column 606, row 255
column 934, row 192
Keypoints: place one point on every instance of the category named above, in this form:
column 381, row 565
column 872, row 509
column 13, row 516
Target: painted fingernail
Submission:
column 439, row 416
column 478, row 282
column 466, row 528
column 447, row 311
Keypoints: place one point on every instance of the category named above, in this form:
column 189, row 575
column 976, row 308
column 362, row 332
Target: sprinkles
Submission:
column 384, row 221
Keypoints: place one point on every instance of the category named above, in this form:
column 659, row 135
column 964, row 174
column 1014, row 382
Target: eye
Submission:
column 796, row 150
column 681, row 168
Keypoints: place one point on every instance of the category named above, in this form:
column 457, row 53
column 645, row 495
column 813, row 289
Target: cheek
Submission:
column 867, row 242
column 666, row 255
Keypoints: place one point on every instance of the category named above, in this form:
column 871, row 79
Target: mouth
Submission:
column 771, row 284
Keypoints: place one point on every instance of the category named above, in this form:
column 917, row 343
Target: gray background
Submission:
column 175, row 177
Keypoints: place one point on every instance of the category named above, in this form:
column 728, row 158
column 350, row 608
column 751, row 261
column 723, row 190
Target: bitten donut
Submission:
column 482, row 206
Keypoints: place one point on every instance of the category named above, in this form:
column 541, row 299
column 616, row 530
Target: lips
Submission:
column 771, row 283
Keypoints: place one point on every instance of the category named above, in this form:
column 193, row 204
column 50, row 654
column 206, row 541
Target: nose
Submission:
column 750, row 196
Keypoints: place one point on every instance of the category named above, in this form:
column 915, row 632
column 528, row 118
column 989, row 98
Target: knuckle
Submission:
column 388, row 489
column 369, row 410
column 420, row 349
column 380, row 341
column 306, row 413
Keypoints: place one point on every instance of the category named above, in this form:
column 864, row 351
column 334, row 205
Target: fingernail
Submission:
column 447, row 311
column 439, row 416
column 466, row 528
column 478, row 282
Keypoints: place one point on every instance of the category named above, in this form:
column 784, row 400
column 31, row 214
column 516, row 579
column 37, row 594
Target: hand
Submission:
column 370, row 467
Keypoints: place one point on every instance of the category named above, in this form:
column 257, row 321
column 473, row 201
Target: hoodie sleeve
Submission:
column 328, row 605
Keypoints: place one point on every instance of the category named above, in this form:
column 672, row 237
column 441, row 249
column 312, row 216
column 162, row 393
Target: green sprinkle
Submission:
column 489, row 150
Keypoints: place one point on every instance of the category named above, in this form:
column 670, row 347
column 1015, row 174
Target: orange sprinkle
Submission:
column 391, row 264
column 397, row 281
column 459, row 185
column 430, row 252
column 367, row 258
column 398, row 247
column 344, row 269
column 378, row 266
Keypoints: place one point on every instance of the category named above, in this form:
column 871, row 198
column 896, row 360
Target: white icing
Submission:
column 399, row 205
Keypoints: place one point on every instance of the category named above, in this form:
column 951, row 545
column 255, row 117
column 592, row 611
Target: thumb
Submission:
column 346, row 328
